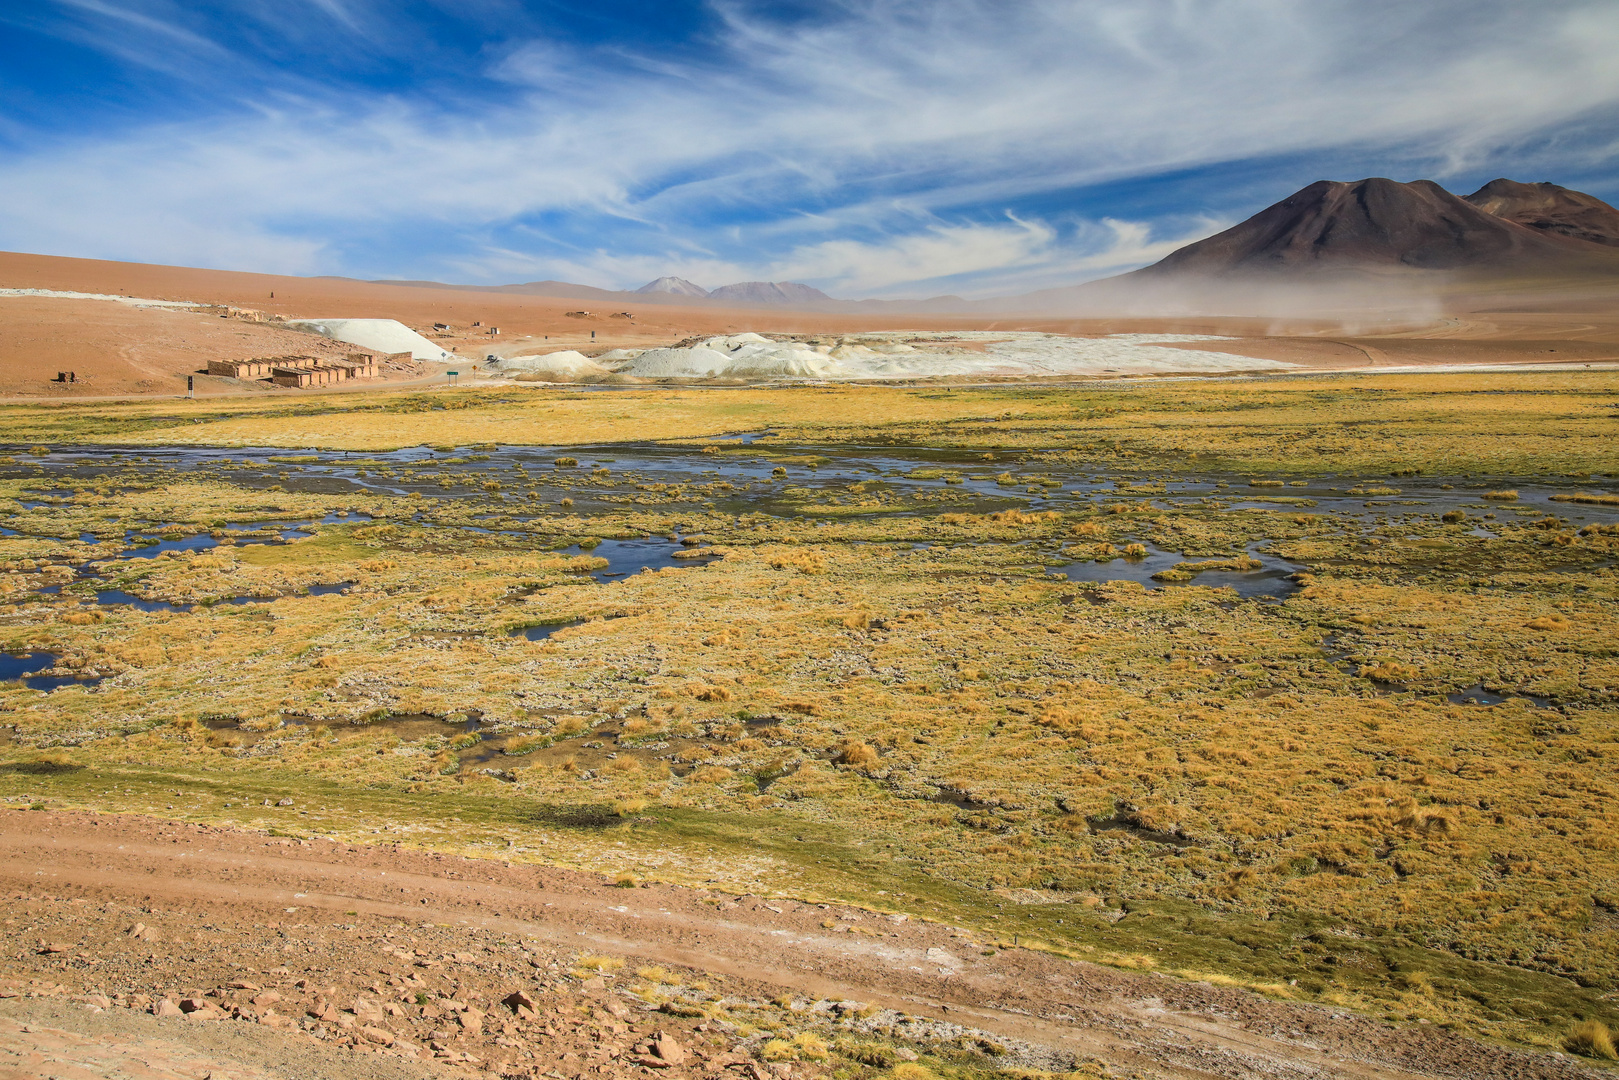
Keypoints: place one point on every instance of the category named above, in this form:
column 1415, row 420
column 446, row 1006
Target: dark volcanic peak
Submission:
column 675, row 286
column 1550, row 209
column 1373, row 223
column 773, row 293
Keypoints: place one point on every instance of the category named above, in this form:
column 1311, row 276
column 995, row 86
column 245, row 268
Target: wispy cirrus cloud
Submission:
column 871, row 149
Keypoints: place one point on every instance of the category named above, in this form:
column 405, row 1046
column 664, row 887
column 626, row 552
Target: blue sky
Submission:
column 878, row 148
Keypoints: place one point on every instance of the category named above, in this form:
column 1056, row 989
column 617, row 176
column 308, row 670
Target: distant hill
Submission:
column 674, row 286
column 1550, row 209
column 771, row 293
column 1372, row 223
column 561, row 289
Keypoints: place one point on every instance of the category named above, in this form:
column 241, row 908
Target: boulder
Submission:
column 522, row 1004
column 668, row 1050
column 163, row 1007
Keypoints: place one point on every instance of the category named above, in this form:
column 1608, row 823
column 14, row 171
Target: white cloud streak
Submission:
column 872, row 151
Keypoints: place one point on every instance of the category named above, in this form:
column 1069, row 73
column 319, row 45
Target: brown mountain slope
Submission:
column 1372, row 224
column 1550, row 209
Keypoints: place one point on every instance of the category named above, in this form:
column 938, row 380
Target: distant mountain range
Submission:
column 667, row 290
column 1372, row 233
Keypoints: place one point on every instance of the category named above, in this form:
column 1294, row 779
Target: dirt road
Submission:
column 244, row 881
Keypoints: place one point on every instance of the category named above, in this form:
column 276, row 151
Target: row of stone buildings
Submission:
column 299, row 371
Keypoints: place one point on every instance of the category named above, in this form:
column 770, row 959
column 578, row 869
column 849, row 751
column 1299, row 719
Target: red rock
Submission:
column 471, row 1021
column 378, row 1036
column 50, row 947
column 269, row 997
column 665, row 1047
column 521, row 999
column 240, row 985
column 165, row 1007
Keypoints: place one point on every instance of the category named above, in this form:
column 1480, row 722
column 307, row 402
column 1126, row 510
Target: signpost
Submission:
column 452, row 375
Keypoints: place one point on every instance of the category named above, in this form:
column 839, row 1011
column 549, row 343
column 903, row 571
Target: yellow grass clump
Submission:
column 1593, row 1039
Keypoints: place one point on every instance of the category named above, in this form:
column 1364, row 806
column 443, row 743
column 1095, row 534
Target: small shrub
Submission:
column 1506, row 495
column 1451, row 517
column 629, row 807
column 625, row 881
column 711, row 774
column 565, row 462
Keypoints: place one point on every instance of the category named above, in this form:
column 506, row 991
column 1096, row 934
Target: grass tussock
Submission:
column 1592, row 1039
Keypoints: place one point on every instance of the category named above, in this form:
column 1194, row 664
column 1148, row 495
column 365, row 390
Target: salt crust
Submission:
column 904, row 355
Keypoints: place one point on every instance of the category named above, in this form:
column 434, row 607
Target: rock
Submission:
column 201, row 1009
column 617, row 1008
column 471, row 1021
column 377, row 1035
column 140, row 932
column 523, row 1006
column 366, row 1011
column 269, row 997
column 49, row 948
column 99, row 1001
column 284, row 802
column 843, row 1008
column 595, row 982
column 271, row 1018
column 240, row 985
column 666, row 1048
column 905, row 1054
column 163, row 1007
column 520, row 999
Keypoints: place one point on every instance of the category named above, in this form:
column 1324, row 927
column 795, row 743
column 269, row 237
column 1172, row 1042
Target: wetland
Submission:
column 1250, row 689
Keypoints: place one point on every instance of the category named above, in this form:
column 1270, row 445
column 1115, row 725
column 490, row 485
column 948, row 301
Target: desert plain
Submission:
column 1257, row 722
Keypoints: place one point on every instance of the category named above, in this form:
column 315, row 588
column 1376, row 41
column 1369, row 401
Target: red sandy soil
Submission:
column 127, row 351
column 322, row 959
